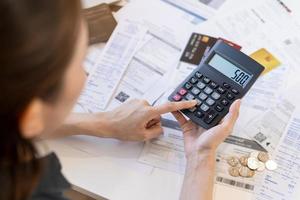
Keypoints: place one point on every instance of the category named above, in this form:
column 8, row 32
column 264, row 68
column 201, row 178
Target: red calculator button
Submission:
column 182, row 92
column 177, row 97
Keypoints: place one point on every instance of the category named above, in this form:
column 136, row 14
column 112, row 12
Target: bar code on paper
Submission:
column 235, row 183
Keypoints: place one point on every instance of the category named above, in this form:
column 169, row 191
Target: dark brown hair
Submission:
column 37, row 39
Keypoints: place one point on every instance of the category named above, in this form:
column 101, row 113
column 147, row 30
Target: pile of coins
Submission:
column 247, row 166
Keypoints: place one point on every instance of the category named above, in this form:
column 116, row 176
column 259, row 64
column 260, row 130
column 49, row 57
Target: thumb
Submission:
column 232, row 116
column 225, row 128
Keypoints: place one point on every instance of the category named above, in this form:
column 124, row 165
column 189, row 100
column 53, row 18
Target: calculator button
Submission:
column 204, row 107
column 189, row 97
column 182, row 91
column 208, row 90
column 226, row 85
column 221, row 90
column 193, row 109
column 213, row 85
column 195, row 91
column 201, row 85
column 206, row 80
column 198, row 102
column 202, row 96
column 235, row 91
column 199, row 114
column 230, row 96
column 219, row 108
column 224, row 102
column 211, row 115
column 177, row 97
column 198, row 75
column 188, row 86
column 193, row 80
column 216, row 95
column 210, row 101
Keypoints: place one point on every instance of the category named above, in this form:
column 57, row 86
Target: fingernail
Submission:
column 239, row 101
column 238, row 104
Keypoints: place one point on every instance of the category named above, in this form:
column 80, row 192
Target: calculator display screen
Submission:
column 230, row 70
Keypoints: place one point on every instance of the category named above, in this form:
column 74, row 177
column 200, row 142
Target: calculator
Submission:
column 224, row 75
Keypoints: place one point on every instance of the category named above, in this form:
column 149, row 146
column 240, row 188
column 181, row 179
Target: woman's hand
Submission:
column 137, row 120
column 199, row 140
column 134, row 120
column 200, row 148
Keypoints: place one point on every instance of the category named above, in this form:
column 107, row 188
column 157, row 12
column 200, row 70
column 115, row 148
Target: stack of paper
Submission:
column 142, row 60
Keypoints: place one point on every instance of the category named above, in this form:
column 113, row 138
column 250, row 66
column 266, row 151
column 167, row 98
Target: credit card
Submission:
column 234, row 45
column 266, row 59
column 197, row 47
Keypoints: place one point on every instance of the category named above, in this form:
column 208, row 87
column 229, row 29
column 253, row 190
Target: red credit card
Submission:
column 234, row 45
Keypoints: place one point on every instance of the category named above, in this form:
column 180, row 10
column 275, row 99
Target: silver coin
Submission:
column 254, row 154
column 253, row 163
column 271, row 165
column 261, row 166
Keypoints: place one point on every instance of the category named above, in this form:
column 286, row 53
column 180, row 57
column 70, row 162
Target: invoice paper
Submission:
column 201, row 10
column 149, row 70
column 167, row 152
column 284, row 182
column 110, row 66
column 268, row 128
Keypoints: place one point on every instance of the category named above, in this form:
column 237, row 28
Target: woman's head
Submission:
column 42, row 45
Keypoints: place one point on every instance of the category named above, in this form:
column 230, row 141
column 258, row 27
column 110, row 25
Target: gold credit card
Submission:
column 266, row 59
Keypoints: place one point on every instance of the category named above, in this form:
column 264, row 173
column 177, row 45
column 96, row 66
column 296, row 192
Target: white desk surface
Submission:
column 109, row 168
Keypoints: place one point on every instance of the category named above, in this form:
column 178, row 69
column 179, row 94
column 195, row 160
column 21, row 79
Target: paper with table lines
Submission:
column 111, row 65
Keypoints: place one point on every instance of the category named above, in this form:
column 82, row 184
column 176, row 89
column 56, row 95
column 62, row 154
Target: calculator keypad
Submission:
column 211, row 98
column 208, row 90
column 221, row 90
column 230, row 96
column 195, row 91
column 189, row 97
column 188, row 86
column 203, row 96
column 210, row 101
column 215, row 95
column 211, row 115
column 213, row 85
column 201, row 85
column 182, row 92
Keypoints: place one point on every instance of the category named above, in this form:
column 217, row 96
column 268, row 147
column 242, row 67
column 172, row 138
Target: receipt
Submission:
column 268, row 128
column 111, row 66
column 148, row 72
column 92, row 56
column 167, row 151
column 284, row 182
column 235, row 146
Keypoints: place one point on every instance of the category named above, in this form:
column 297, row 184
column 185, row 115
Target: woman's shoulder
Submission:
column 52, row 182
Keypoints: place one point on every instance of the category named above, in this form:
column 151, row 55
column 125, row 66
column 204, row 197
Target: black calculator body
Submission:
column 224, row 75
